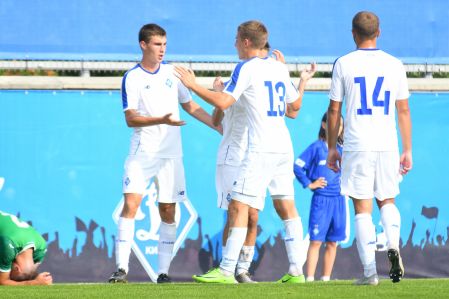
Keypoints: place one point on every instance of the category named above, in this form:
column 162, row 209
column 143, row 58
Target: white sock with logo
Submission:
column 245, row 259
column 236, row 239
column 167, row 238
column 294, row 245
column 125, row 236
column 365, row 234
column 391, row 221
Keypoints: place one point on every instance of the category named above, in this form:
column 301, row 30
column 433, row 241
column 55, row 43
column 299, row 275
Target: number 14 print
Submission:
column 364, row 110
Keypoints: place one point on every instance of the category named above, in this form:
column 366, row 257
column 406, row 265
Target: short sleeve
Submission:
column 403, row 92
column 130, row 95
column 183, row 93
column 291, row 93
column 337, row 91
column 7, row 254
column 303, row 164
column 239, row 82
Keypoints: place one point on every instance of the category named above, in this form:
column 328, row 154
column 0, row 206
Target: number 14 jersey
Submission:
column 370, row 81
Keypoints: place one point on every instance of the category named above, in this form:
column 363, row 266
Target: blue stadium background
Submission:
column 62, row 152
column 201, row 29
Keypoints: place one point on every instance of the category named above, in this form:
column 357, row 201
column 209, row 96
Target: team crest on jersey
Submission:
column 147, row 87
column 127, row 181
column 147, row 223
column 169, row 83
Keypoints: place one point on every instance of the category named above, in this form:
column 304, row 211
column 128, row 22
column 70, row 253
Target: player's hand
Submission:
column 187, row 76
column 278, row 56
column 168, row 120
column 319, row 183
column 44, row 278
column 406, row 163
column 306, row 74
column 333, row 160
column 218, row 84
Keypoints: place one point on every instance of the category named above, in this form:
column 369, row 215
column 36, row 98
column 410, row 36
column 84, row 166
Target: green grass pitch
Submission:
column 409, row 288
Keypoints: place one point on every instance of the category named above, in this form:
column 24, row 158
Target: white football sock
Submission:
column 391, row 221
column 294, row 245
column 236, row 239
column 365, row 234
column 223, row 251
column 125, row 236
column 245, row 259
column 167, row 238
column 325, row 278
column 310, row 278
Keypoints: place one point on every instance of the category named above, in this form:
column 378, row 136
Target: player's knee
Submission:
column 253, row 218
column 167, row 212
column 331, row 244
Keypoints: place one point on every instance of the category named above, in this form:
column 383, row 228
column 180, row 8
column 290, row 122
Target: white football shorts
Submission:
column 167, row 172
column 260, row 171
column 225, row 177
column 365, row 175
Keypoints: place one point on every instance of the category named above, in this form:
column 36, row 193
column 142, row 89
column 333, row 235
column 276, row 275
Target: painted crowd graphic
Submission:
column 94, row 263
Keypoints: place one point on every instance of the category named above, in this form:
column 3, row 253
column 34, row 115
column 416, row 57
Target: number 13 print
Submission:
column 280, row 91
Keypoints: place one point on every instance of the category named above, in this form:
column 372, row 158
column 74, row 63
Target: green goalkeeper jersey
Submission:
column 15, row 237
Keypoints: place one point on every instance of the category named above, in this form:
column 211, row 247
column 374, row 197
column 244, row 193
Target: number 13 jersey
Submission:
column 370, row 81
column 264, row 88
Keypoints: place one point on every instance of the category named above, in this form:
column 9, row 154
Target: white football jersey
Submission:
column 155, row 94
column 235, row 136
column 370, row 81
column 263, row 87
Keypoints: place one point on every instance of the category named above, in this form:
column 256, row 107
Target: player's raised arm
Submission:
column 217, row 99
column 278, row 55
column 306, row 75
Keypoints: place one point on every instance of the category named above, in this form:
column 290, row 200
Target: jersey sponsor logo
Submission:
column 322, row 162
column 10, row 245
column 147, row 224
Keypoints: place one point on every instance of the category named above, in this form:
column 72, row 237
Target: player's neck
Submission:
column 253, row 53
column 367, row 44
column 150, row 66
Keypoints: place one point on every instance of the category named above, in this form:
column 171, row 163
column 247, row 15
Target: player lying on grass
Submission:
column 22, row 249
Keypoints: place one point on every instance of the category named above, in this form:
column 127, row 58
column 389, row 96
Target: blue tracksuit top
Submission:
column 311, row 165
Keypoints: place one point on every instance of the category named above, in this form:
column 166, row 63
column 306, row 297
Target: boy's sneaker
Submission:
column 372, row 280
column 214, row 275
column 397, row 269
column 163, row 278
column 287, row 278
column 244, row 277
column 119, row 276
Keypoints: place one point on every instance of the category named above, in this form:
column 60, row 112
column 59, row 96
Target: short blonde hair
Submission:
column 255, row 32
column 365, row 24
